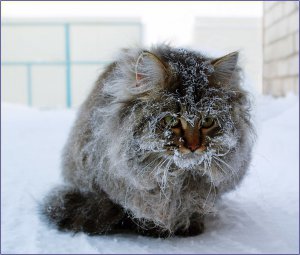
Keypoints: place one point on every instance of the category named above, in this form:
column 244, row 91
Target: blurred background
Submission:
column 52, row 52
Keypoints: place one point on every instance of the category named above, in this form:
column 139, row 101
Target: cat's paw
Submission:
column 73, row 210
column 145, row 228
column 196, row 228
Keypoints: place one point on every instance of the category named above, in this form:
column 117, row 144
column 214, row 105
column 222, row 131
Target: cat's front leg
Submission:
column 196, row 227
column 74, row 210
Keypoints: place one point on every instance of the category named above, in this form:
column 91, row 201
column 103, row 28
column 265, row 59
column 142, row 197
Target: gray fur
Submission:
column 115, row 146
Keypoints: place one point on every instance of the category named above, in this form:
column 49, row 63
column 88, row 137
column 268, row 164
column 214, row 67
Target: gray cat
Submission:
column 162, row 135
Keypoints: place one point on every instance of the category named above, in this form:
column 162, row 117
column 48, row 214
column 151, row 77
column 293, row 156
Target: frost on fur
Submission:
column 121, row 145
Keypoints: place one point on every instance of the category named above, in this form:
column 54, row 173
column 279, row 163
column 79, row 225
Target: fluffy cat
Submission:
column 162, row 135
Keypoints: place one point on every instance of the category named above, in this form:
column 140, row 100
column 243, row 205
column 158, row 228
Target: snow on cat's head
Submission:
column 187, row 109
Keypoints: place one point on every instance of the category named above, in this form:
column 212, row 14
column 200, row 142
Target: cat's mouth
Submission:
column 185, row 152
column 188, row 159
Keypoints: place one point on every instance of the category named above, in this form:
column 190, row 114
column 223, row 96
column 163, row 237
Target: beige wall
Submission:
column 223, row 35
column 281, row 48
column 41, row 67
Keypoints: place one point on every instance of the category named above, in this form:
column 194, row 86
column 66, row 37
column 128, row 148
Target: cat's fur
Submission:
column 122, row 167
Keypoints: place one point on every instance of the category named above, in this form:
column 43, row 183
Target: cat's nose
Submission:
column 193, row 146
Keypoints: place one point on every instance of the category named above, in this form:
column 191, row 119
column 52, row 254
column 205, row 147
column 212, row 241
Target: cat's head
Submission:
column 181, row 105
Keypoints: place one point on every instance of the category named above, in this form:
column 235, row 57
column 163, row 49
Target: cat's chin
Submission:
column 188, row 161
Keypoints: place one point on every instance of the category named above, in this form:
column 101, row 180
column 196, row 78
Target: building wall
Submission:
column 218, row 36
column 54, row 63
column 281, row 47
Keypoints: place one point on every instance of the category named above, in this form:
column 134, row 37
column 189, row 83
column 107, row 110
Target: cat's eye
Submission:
column 171, row 121
column 208, row 122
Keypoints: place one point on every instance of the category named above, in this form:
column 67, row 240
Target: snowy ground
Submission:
column 262, row 216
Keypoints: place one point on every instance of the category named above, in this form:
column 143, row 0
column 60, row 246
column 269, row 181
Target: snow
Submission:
column 261, row 216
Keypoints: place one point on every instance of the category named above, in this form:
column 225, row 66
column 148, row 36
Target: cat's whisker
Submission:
column 233, row 173
column 161, row 162
column 165, row 172
column 149, row 166
column 142, row 170
column 226, row 164
column 220, row 167
column 212, row 186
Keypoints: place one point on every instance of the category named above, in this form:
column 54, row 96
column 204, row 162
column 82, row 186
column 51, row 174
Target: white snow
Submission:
column 262, row 216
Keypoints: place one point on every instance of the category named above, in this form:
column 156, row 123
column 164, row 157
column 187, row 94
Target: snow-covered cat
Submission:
column 162, row 135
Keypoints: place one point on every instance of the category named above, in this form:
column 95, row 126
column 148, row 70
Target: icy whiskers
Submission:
column 162, row 135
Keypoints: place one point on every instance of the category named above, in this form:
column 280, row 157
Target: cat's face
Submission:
column 187, row 134
column 188, row 138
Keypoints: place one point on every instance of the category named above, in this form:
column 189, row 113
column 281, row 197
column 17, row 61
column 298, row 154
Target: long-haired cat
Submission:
column 162, row 135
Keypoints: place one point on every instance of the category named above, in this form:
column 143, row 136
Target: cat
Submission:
column 162, row 135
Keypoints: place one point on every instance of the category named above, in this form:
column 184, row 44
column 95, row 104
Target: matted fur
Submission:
column 116, row 146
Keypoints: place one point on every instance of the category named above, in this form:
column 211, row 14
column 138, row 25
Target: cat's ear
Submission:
column 224, row 68
column 150, row 71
